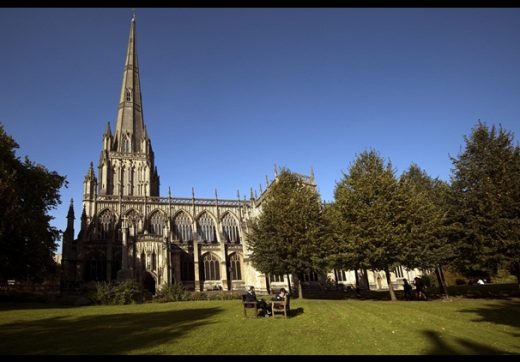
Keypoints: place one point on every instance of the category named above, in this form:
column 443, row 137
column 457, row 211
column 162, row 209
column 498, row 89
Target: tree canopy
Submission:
column 426, row 223
column 288, row 236
column 28, row 192
column 367, row 216
column 485, row 202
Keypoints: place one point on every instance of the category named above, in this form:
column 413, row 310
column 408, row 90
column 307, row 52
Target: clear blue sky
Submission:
column 229, row 92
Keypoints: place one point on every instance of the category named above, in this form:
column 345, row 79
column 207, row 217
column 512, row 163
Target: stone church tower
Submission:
column 129, row 231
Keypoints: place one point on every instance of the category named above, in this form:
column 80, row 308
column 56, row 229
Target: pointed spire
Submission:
column 312, row 174
column 70, row 214
column 251, row 196
column 129, row 119
column 90, row 173
column 108, row 132
column 84, row 214
column 266, row 182
column 275, row 170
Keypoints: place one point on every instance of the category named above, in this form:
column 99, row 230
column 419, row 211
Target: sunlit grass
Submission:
column 459, row 326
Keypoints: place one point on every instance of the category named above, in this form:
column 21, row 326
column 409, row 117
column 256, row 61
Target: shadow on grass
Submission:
column 101, row 334
column 295, row 312
column 5, row 306
column 505, row 313
column 440, row 347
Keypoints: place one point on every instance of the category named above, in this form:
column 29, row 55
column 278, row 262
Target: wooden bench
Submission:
column 281, row 307
column 250, row 308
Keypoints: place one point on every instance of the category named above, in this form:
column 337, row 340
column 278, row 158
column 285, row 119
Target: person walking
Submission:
column 419, row 288
column 407, row 290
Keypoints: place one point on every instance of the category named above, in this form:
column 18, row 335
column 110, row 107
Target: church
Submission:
column 129, row 231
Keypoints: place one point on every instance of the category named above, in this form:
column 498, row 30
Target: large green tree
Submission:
column 426, row 229
column 367, row 217
column 288, row 236
column 485, row 202
column 28, row 192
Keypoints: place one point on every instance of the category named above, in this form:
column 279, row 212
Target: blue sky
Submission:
column 227, row 93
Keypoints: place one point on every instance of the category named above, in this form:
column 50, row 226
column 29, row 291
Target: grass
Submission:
column 456, row 326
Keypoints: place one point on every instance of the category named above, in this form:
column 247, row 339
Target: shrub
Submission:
column 198, row 296
column 126, row 292
column 173, row 293
column 460, row 281
column 429, row 280
column 102, row 293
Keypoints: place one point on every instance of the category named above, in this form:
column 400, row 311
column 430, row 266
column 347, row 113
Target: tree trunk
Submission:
column 357, row 278
column 300, row 289
column 365, row 278
column 390, row 287
column 289, row 284
column 442, row 282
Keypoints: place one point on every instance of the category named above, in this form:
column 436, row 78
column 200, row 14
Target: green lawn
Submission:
column 458, row 326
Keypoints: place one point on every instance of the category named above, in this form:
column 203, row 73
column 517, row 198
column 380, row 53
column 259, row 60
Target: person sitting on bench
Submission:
column 260, row 304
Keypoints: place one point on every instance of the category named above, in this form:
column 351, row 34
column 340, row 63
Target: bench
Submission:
column 281, row 307
column 250, row 308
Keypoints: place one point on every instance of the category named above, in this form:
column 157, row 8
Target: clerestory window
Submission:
column 206, row 229
column 230, row 228
column 182, row 227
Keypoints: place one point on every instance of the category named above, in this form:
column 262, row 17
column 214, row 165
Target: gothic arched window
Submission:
column 206, row 229
column 230, row 228
column 105, row 225
column 211, row 267
column 157, row 223
column 132, row 219
column 182, row 227
column 234, row 267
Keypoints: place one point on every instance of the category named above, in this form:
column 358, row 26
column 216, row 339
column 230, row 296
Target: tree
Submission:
column 28, row 192
column 426, row 222
column 288, row 236
column 485, row 202
column 367, row 216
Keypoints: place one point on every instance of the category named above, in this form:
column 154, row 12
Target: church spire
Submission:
column 129, row 131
